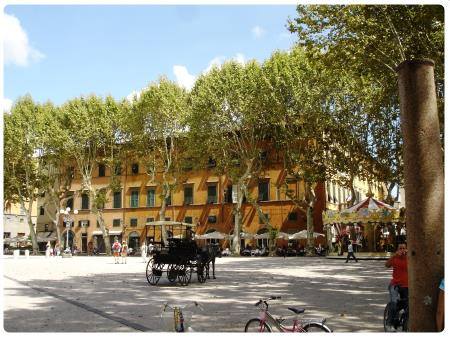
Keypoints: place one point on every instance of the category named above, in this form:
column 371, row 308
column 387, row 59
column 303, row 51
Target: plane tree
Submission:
column 156, row 128
column 229, row 124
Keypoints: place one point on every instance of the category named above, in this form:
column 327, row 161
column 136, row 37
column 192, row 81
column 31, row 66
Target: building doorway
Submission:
column 133, row 241
column 84, row 243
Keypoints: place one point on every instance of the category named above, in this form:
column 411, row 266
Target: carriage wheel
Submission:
column 172, row 272
column 185, row 275
column 201, row 273
column 153, row 272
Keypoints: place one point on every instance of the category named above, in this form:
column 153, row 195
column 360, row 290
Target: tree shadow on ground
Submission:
column 351, row 296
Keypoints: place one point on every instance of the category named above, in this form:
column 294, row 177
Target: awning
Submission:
column 46, row 236
column 115, row 232
column 97, row 232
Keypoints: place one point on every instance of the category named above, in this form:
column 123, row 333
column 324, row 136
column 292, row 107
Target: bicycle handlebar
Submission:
column 264, row 300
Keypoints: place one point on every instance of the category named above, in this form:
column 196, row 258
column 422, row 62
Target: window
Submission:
column 211, row 163
column 118, row 169
column 149, row 219
column 133, row 222
column 135, row 168
column 212, row 194
column 212, row 219
column 134, row 198
column 84, row 223
column 263, row 191
column 69, row 203
column 292, row 216
column 117, row 202
column 84, row 201
column 188, row 195
column 229, row 194
column 167, row 218
column 6, row 235
column 261, row 220
column 263, row 156
column 20, row 234
column 101, row 170
column 45, row 227
column 41, row 210
column 328, row 192
column 291, row 189
column 188, row 219
column 151, row 197
column 116, row 222
column 169, row 200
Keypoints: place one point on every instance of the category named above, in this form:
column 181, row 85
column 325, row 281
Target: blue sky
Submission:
column 60, row 52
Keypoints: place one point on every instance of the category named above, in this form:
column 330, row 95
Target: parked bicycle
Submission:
column 177, row 318
column 400, row 317
column 266, row 321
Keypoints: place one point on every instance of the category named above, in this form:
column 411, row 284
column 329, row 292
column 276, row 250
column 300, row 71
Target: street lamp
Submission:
column 68, row 219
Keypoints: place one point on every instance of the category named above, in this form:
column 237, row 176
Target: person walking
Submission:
column 144, row 252
column 398, row 287
column 124, row 251
column 116, row 250
column 350, row 252
column 48, row 250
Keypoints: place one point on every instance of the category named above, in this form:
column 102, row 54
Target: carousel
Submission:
column 374, row 226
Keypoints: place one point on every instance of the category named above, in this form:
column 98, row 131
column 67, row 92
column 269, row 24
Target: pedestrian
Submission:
column 144, row 252
column 350, row 253
column 116, row 250
column 48, row 250
column 57, row 250
column 398, row 287
column 124, row 252
column 150, row 247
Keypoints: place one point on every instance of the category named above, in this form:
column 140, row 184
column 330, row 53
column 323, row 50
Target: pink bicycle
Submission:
column 266, row 320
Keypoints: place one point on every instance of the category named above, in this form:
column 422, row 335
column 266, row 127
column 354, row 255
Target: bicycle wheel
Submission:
column 316, row 327
column 255, row 325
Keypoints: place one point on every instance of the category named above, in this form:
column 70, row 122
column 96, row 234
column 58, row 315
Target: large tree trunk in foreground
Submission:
column 424, row 187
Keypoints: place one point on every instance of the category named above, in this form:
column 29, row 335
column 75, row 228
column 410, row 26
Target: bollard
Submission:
column 27, row 254
column 16, row 254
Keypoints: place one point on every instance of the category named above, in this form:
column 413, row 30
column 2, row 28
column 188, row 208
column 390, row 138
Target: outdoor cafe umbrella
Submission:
column 246, row 235
column 283, row 235
column 212, row 235
column 303, row 234
column 17, row 239
column 264, row 235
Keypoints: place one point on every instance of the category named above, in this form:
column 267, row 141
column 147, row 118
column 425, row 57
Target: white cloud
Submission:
column 258, row 32
column 16, row 47
column 6, row 105
column 219, row 60
column 183, row 78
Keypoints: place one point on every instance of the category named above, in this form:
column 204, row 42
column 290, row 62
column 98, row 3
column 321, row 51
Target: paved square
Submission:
column 92, row 294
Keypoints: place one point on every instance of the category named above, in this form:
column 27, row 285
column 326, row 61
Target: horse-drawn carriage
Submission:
column 178, row 256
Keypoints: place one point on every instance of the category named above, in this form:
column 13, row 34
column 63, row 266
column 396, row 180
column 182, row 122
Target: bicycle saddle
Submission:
column 296, row 311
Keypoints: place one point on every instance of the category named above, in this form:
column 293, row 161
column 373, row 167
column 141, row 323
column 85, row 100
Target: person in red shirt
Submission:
column 398, row 287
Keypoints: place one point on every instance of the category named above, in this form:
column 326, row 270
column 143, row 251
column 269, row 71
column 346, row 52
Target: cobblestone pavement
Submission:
column 92, row 294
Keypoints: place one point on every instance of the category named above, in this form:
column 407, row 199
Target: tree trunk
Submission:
column 30, row 225
column 162, row 214
column 236, row 242
column 104, row 230
column 424, row 188
column 310, row 249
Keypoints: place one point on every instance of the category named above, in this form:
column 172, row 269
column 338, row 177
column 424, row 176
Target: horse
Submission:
column 212, row 251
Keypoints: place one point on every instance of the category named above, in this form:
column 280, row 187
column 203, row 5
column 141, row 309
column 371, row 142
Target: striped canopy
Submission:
column 368, row 210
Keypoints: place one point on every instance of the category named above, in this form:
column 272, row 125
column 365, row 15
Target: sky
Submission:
column 59, row 52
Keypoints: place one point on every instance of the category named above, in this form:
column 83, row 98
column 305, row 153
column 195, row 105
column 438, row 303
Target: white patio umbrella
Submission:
column 283, row 235
column 264, row 235
column 212, row 235
column 303, row 234
column 246, row 235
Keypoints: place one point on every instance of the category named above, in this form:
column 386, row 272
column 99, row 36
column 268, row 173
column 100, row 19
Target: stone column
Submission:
column 424, row 188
